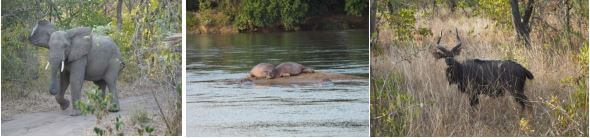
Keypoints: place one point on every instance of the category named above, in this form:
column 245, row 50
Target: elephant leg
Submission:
column 112, row 84
column 111, row 77
column 63, row 85
column 102, row 86
column 77, row 70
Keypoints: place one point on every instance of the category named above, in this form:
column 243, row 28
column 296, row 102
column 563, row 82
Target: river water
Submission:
column 218, row 108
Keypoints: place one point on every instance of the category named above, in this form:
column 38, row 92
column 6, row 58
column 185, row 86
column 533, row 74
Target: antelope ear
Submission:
column 456, row 50
column 437, row 55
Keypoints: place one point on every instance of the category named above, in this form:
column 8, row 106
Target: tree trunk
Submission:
column 452, row 5
column 105, row 7
column 373, row 10
column 521, row 24
column 119, row 9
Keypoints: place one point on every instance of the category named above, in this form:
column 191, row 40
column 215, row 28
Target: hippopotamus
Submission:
column 262, row 70
column 287, row 69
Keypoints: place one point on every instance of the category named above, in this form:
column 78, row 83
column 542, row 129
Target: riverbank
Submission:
column 218, row 23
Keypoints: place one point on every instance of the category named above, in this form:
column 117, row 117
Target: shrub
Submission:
column 497, row 10
column 391, row 111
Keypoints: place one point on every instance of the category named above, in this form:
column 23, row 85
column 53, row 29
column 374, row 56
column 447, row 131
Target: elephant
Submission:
column 76, row 55
column 287, row 69
column 262, row 70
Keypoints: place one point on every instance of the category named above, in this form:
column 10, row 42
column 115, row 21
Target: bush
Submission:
column 497, row 10
column 391, row 111
column 257, row 13
column 292, row 13
column 357, row 7
column 400, row 17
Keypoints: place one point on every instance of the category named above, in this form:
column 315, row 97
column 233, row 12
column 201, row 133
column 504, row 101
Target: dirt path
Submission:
column 60, row 123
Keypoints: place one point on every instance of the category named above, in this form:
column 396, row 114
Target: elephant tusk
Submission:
column 62, row 66
column 46, row 66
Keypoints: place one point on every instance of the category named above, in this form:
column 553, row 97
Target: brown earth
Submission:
column 39, row 114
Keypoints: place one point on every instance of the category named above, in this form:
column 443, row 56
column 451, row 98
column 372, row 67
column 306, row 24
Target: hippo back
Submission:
column 291, row 68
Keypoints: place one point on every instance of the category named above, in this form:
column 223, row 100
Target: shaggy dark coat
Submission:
column 488, row 77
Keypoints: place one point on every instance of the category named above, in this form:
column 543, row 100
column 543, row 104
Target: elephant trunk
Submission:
column 55, row 77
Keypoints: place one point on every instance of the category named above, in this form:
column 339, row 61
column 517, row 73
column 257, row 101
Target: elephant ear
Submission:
column 81, row 42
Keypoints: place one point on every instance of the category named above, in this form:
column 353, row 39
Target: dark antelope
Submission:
column 489, row 77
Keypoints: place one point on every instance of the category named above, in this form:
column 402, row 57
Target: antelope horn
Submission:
column 458, row 38
column 440, row 36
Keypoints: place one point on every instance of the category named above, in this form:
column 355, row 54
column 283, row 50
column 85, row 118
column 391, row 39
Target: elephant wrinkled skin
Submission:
column 76, row 55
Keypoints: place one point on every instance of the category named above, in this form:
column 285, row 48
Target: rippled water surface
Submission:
column 218, row 108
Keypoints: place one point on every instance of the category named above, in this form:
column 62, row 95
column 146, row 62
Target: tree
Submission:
column 522, row 24
column 119, row 9
column 452, row 5
column 373, row 11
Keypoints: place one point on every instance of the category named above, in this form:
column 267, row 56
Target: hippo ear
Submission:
column 81, row 42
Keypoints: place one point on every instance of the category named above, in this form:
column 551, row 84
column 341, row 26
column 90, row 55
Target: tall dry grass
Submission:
column 436, row 108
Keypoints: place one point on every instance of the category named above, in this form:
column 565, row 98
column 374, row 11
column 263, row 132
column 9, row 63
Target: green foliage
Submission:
column 99, row 131
column 569, row 117
column 391, row 110
column 208, row 17
column 21, row 62
column 580, row 96
column 582, row 59
column 108, row 131
column 357, row 7
column 424, row 31
column 97, row 104
column 292, row 13
column 497, row 10
column 21, row 65
column 403, row 22
column 258, row 13
column 191, row 19
column 289, row 15
column 142, row 121
column 145, row 24
column 400, row 16
column 467, row 3
column 375, row 49
column 204, row 5
column 73, row 13
column 581, row 7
